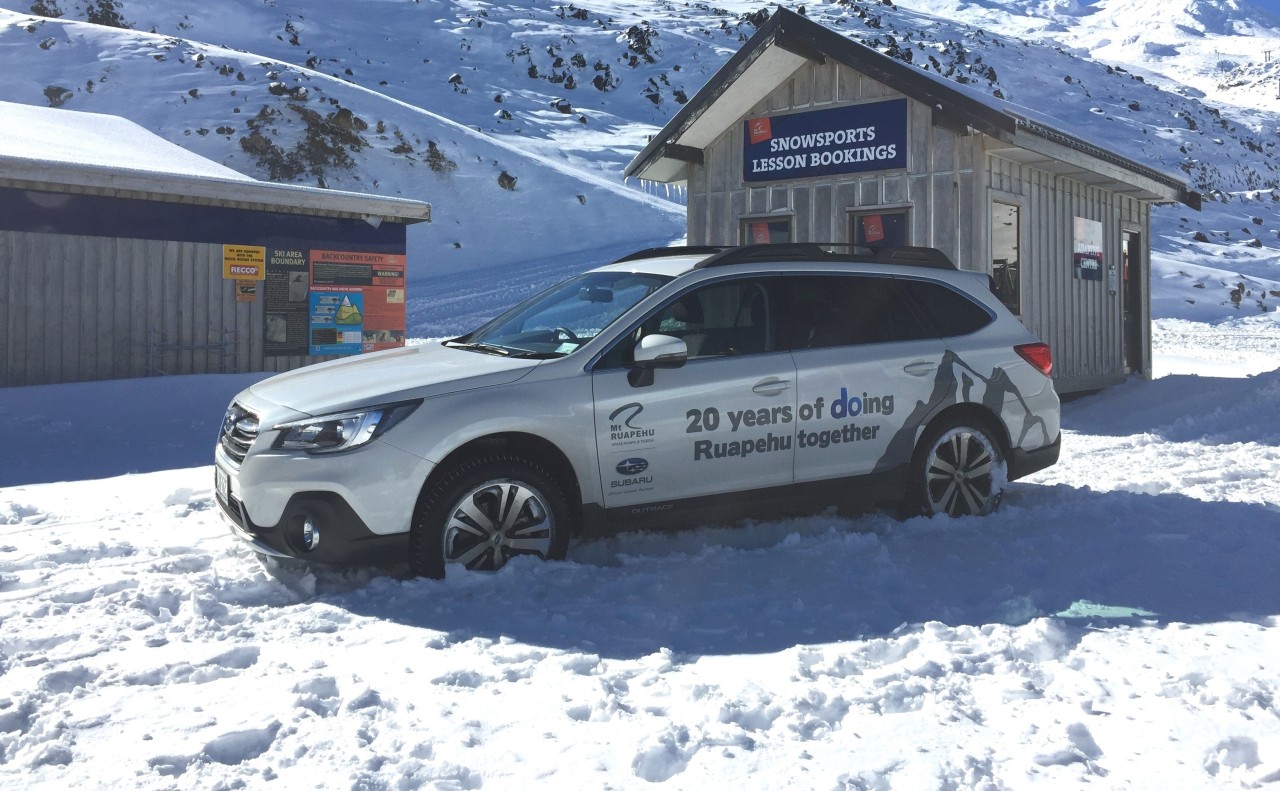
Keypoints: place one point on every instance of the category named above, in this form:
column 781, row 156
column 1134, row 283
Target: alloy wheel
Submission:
column 964, row 474
column 496, row 521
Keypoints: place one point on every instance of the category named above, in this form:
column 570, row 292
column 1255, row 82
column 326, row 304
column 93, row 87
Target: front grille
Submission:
column 239, row 430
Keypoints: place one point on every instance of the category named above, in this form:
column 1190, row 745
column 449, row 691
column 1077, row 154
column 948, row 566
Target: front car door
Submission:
column 712, row 440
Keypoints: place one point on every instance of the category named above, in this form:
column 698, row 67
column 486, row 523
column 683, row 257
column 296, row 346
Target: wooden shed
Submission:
column 123, row 255
column 805, row 135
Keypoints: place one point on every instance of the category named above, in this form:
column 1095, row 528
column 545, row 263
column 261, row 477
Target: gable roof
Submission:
column 70, row 151
column 787, row 41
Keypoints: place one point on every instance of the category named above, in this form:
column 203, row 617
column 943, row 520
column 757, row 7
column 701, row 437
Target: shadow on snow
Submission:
column 823, row 579
column 1184, row 408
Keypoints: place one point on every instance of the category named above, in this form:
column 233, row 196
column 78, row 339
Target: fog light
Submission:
column 310, row 534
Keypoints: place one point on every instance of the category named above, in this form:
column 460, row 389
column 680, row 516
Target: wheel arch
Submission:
column 527, row 446
column 971, row 414
column 965, row 412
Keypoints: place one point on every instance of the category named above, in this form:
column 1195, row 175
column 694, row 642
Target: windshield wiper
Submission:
column 487, row 348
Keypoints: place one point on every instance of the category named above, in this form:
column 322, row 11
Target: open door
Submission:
column 1134, row 296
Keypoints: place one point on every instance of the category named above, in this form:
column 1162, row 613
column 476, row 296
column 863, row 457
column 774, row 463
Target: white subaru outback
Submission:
column 674, row 387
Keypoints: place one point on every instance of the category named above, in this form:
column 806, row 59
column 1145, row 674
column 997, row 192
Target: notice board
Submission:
column 332, row 302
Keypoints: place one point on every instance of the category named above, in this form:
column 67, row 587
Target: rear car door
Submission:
column 866, row 365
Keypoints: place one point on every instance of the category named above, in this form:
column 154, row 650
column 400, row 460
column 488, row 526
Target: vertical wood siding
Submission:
column 948, row 188
column 80, row 308
column 1080, row 319
column 940, row 171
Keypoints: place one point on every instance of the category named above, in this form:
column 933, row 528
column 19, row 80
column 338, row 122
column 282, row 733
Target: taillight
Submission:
column 1038, row 354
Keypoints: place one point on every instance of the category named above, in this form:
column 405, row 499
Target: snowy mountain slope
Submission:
column 459, row 57
column 287, row 123
column 1189, row 46
column 562, row 80
column 617, row 70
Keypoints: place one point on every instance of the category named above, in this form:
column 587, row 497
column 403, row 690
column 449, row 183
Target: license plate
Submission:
column 222, row 482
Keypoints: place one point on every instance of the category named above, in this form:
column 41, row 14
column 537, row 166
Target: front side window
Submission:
column 726, row 319
column 881, row 228
column 563, row 318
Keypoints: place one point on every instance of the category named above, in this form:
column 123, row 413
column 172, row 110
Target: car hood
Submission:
column 385, row 377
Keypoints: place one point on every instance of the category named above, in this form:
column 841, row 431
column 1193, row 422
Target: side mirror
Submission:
column 661, row 351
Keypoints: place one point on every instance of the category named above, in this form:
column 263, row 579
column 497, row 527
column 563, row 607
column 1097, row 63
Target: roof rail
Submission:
column 907, row 255
column 927, row 257
column 669, row 252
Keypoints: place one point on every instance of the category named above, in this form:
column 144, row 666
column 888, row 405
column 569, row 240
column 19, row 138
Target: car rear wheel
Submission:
column 960, row 470
column 486, row 511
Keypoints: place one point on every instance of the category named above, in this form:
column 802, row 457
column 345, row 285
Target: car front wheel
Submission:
column 486, row 511
column 960, row 471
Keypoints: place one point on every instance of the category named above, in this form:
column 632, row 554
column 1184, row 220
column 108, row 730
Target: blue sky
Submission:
column 1272, row 6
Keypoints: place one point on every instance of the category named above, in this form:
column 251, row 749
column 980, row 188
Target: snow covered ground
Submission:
column 1116, row 622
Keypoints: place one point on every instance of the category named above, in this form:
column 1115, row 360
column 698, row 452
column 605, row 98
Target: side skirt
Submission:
column 850, row 496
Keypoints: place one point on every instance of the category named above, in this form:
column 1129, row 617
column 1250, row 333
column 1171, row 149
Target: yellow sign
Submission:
column 244, row 262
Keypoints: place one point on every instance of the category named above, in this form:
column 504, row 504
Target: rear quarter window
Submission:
column 948, row 313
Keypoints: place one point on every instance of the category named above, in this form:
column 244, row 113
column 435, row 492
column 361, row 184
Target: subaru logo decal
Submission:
column 632, row 466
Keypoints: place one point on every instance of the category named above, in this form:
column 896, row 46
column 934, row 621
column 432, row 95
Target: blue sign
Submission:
column 337, row 322
column 853, row 139
column 1088, row 266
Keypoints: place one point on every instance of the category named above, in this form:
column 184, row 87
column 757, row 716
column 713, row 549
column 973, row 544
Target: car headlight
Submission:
column 341, row 431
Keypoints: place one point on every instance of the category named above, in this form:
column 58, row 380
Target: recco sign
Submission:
column 244, row 262
column 853, row 139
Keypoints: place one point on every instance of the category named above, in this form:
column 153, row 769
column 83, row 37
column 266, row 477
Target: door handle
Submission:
column 920, row 368
column 771, row 387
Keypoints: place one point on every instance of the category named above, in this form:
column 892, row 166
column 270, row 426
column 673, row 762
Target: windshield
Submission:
column 563, row 318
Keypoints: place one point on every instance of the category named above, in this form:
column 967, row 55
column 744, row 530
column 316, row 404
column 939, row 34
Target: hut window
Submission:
column 1006, row 255
column 880, row 228
column 766, row 231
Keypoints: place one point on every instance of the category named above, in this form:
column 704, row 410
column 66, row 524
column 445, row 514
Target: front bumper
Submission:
column 360, row 503
column 343, row 536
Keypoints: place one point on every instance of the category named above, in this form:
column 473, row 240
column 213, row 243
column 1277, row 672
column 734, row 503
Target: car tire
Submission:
column 959, row 470
column 483, row 512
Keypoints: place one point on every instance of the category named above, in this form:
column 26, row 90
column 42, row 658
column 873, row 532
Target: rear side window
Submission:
column 949, row 313
column 850, row 310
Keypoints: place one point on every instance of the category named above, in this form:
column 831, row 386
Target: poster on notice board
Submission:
column 1087, row 257
column 332, row 302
